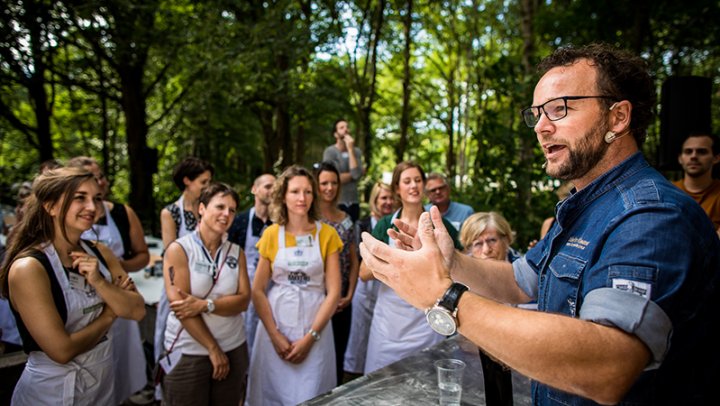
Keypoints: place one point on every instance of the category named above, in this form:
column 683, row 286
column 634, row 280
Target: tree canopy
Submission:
column 254, row 86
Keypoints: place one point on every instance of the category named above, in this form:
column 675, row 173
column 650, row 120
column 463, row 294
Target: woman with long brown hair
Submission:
column 398, row 329
column 62, row 293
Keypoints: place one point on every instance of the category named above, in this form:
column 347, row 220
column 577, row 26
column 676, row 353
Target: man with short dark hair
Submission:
column 626, row 280
column 699, row 153
column 437, row 190
column 347, row 158
column 245, row 231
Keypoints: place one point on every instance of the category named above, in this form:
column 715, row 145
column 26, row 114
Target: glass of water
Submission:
column 450, row 376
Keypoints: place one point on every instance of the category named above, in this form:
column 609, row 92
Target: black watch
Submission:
column 442, row 316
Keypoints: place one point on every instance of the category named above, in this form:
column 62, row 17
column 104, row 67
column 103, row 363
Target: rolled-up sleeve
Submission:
column 633, row 314
column 526, row 277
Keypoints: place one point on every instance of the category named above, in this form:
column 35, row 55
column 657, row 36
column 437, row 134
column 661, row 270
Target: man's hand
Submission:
column 406, row 238
column 420, row 277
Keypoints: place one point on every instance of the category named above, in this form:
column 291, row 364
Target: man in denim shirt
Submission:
column 626, row 279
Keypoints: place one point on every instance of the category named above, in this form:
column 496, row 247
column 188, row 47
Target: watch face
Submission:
column 441, row 321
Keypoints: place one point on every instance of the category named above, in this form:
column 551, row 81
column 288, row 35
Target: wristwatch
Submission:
column 315, row 335
column 442, row 316
column 210, row 306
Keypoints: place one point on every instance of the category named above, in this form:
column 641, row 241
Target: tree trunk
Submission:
column 407, row 77
column 141, row 167
column 37, row 17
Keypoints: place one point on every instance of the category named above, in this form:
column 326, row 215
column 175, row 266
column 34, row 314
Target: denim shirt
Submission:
column 633, row 252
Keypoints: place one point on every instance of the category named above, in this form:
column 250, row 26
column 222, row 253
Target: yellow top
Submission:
column 268, row 245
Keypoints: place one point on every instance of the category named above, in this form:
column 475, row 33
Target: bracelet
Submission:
column 315, row 335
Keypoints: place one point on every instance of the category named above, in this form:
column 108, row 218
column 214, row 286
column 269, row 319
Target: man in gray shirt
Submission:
column 348, row 164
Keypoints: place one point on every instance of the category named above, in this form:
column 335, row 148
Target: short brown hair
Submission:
column 620, row 75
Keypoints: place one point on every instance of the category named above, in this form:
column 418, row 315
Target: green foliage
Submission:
column 248, row 85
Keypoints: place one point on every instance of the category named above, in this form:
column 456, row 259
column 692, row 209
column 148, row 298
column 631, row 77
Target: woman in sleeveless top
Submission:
column 207, row 284
column 62, row 293
column 398, row 329
column 177, row 219
column 328, row 179
column 119, row 228
column 293, row 357
column 363, row 302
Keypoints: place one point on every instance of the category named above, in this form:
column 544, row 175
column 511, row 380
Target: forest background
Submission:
column 253, row 86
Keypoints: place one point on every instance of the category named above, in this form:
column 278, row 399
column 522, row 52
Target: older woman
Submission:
column 488, row 236
column 62, row 293
column 363, row 304
column 397, row 328
column 208, row 288
column 293, row 358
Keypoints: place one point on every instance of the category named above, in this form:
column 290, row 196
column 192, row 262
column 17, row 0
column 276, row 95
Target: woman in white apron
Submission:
column 363, row 302
column 293, row 358
column 398, row 329
column 62, row 293
column 178, row 219
column 328, row 179
column 128, row 355
column 208, row 288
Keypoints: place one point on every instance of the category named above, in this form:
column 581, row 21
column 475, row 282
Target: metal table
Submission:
column 413, row 381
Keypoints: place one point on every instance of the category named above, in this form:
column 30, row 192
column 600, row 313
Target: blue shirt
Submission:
column 456, row 213
column 633, row 252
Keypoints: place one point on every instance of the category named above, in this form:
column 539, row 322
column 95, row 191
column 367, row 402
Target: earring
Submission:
column 610, row 137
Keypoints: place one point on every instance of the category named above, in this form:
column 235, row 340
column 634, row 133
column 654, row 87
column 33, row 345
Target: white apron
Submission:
column 252, row 256
column 128, row 355
column 298, row 291
column 87, row 379
column 397, row 329
column 363, row 305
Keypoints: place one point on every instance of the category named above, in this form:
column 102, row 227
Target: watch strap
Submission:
column 452, row 296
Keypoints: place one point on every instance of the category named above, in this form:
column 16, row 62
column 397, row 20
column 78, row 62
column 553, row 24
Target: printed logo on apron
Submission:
column 298, row 278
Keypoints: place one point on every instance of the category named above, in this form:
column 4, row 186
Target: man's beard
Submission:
column 585, row 156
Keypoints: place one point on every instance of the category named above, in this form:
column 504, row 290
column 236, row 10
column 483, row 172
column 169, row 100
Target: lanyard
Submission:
column 208, row 257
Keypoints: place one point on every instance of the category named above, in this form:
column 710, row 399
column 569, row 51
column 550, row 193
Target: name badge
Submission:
column 77, row 281
column 204, row 268
column 304, row 241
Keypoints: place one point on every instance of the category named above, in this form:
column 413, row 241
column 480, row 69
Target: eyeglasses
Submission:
column 491, row 243
column 437, row 189
column 554, row 109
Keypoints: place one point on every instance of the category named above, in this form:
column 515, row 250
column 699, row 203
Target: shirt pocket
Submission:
column 563, row 288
